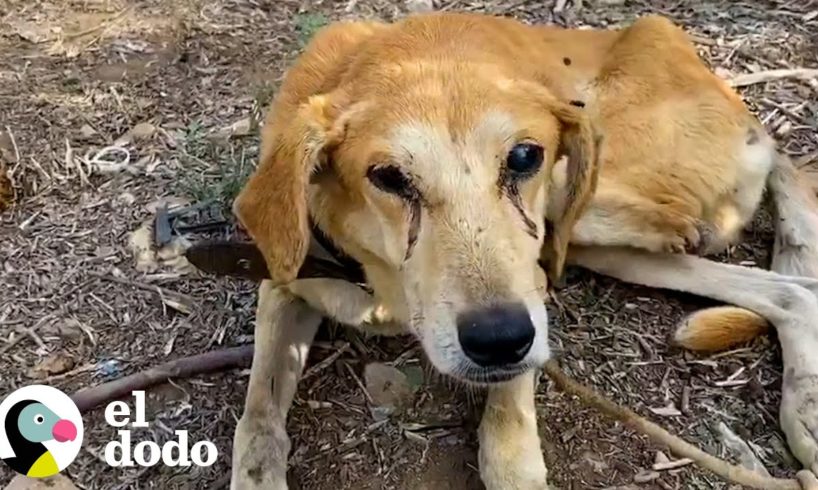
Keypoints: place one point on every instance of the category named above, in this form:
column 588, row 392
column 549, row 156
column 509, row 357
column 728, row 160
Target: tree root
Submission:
column 89, row 398
column 679, row 447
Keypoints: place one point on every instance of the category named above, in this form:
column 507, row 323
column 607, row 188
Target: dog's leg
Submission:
column 796, row 253
column 510, row 455
column 285, row 327
column 619, row 219
column 789, row 303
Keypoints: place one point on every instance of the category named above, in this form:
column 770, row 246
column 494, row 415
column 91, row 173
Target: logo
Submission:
column 40, row 431
column 124, row 452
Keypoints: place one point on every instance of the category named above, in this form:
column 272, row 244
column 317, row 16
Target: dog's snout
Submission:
column 497, row 335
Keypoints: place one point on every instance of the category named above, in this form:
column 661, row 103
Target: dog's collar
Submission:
column 323, row 251
column 243, row 259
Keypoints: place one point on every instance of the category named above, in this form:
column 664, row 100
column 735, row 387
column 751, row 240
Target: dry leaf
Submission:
column 140, row 132
column 668, row 411
column 242, row 127
column 87, row 132
column 56, row 363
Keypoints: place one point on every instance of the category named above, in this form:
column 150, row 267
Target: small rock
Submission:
column 86, row 132
column 142, row 131
column 388, row 387
column 126, row 199
column 418, row 6
column 56, row 363
column 56, row 482
column 70, row 329
column 645, row 476
column 595, row 461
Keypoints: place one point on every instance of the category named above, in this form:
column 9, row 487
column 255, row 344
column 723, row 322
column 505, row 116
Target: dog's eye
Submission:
column 524, row 159
column 393, row 180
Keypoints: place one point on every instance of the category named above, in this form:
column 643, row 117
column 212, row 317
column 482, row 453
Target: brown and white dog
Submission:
column 430, row 153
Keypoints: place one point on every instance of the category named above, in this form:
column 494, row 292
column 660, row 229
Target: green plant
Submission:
column 307, row 25
column 214, row 170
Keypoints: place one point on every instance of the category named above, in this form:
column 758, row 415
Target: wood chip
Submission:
column 668, row 411
column 772, row 75
column 671, row 465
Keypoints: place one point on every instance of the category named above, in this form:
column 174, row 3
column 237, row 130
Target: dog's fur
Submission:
column 677, row 161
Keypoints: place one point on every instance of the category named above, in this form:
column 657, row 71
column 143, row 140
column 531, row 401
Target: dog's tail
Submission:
column 795, row 254
column 719, row 328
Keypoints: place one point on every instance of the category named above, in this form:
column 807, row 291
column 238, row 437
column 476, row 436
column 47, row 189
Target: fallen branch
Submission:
column 680, row 447
column 772, row 75
column 90, row 398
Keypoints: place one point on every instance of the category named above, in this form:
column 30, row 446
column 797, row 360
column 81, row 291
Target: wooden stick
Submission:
column 90, row 398
column 771, row 75
column 680, row 447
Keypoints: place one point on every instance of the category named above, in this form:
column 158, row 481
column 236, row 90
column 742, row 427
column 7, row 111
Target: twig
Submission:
column 90, row 398
column 706, row 41
column 672, row 465
column 20, row 337
column 771, row 75
column 360, row 384
column 794, row 115
column 104, row 24
column 678, row 446
column 174, row 299
column 14, row 145
column 312, row 371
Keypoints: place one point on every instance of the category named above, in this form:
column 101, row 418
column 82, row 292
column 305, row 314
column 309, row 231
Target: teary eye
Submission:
column 524, row 159
column 39, row 419
column 393, row 180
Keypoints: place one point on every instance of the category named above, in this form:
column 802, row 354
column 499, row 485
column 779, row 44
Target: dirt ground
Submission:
column 181, row 84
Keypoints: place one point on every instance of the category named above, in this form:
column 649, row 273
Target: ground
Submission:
column 181, row 84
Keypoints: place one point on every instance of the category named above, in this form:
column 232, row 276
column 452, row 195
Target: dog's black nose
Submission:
column 497, row 335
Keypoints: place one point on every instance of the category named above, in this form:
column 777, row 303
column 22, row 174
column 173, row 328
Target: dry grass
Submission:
column 76, row 76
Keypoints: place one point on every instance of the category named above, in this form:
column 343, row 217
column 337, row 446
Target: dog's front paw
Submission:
column 517, row 465
column 799, row 417
column 260, row 449
column 683, row 235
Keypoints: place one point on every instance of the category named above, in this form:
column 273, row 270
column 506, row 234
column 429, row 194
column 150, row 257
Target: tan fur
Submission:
column 683, row 163
column 443, row 98
column 719, row 328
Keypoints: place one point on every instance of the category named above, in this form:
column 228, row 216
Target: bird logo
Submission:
column 41, row 431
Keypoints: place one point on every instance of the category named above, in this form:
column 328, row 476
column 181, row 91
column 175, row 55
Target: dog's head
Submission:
column 435, row 177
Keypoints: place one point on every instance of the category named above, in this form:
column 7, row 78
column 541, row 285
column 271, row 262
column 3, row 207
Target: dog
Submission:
column 443, row 157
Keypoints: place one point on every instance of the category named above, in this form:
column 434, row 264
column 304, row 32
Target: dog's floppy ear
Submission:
column 580, row 143
column 272, row 206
